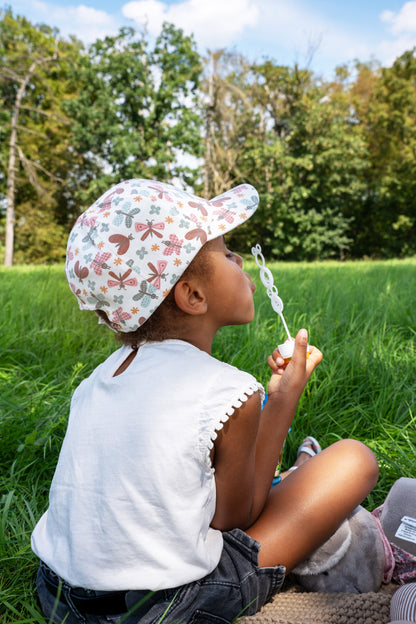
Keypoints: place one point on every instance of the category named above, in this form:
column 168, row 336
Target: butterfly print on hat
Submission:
column 157, row 273
column 86, row 220
column 225, row 213
column 146, row 293
column 121, row 280
column 89, row 237
column 162, row 193
column 174, row 244
column 220, row 201
column 99, row 301
column 121, row 242
column 77, row 292
column 199, row 206
column 127, row 216
column 198, row 233
column 80, row 272
column 100, row 262
column 120, row 316
column 107, row 200
column 151, row 228
column 69, row 254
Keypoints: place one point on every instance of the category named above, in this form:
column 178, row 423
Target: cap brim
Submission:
column 231, row 209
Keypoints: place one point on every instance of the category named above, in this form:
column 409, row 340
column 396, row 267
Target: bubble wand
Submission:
column 287, row 348
column 267, row 281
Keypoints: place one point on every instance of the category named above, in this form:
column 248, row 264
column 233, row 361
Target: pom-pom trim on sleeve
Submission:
column 235, row 403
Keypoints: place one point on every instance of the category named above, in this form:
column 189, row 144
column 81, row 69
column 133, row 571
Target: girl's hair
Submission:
column 162, row 324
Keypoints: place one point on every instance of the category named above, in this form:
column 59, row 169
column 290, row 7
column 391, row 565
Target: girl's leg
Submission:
column 301, row 458
column 305, row 509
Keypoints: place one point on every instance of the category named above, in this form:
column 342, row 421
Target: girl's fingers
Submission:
column 315, row 357
column 301, row 360
column 301, row 343
column 275, row 365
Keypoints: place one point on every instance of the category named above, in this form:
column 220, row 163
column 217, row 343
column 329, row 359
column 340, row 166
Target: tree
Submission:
column 334, row 163
column 292, row 138
column 327, row 159
column 227, row 111
column 78, row 120
column 134, row 108
column 35, row 154
column 387, row 113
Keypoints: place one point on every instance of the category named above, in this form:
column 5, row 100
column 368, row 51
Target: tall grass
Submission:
column 361, row 315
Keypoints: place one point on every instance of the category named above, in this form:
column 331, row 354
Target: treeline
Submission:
column 334, row 161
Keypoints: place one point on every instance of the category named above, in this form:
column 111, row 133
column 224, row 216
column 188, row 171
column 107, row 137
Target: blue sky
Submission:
column 319, row 33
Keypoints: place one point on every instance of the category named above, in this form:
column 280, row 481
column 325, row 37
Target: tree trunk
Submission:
column 208, row 138
column 11, row 170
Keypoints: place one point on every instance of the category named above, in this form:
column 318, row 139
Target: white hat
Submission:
column 128, row 249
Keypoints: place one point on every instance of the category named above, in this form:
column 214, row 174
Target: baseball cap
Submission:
column 131, row 246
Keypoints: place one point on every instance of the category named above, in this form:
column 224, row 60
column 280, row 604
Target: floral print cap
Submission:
column 128, row 249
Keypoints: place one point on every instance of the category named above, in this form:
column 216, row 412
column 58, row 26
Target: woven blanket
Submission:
column 294, row 606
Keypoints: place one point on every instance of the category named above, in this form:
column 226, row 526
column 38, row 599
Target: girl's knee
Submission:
column 359, row 460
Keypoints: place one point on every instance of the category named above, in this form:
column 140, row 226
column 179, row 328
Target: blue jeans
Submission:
column 237, row 587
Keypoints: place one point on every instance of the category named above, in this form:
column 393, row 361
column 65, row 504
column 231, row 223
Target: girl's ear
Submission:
column 190, row 298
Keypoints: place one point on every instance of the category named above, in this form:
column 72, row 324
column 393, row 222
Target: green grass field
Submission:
column 361, row 315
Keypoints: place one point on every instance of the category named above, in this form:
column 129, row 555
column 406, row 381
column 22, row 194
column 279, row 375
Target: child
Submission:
column 161, row 507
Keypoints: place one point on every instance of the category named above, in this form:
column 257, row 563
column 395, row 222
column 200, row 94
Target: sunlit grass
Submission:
column 361, row 315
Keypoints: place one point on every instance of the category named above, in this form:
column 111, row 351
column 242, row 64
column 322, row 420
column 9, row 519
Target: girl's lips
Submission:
column 251, row 283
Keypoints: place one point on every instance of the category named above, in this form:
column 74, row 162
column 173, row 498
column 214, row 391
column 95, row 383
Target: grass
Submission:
column 361, row 315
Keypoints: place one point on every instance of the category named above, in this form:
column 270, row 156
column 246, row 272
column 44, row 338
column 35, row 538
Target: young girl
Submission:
column 161, row 507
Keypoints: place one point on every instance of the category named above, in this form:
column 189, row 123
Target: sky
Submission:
column 318, row 34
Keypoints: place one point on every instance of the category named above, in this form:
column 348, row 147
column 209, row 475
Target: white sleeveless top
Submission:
column 133, row 494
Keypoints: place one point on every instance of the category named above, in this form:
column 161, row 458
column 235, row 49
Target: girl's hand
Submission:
column 294, row 376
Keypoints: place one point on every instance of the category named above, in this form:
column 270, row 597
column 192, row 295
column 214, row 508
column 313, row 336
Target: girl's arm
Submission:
column 248, row 447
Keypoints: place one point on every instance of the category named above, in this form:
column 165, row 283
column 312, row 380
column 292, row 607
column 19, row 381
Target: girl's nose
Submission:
column 239, row 259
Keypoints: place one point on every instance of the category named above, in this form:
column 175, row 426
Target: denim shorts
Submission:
column 236, row 588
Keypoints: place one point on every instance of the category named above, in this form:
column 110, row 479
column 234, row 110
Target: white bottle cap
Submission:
column 286, row 349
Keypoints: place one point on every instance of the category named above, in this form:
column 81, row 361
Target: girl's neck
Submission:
column 196, row 332
column 200, row 341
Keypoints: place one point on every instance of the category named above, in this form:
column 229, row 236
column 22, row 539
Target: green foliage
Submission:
column 133, row 107
column 46, row 157
column 319, row 179
column 334, row 162
column 384, row 102
column 91, row 118
column 299, row 149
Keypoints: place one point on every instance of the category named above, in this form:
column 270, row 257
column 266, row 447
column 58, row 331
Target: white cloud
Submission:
column 287, row 31
column 85, row 22
column 299, row 33
column 149, row 13
column 214, row 23
column 88, row 23
column 388, row 51
column 295, row 32
column 404, row 21
column 402, row 25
